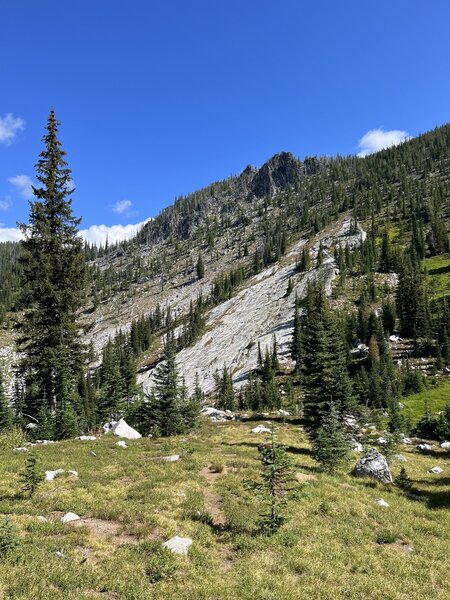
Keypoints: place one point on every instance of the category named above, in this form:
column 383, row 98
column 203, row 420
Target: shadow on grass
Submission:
column 440, row 270
column 433, row 498
column 291, row 449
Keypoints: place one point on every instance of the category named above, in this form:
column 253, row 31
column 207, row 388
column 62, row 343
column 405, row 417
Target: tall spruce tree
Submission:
column 53, row 279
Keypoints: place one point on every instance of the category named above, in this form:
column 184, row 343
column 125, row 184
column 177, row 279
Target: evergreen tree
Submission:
column 200, row 268
column 32, row 475
column 53, row 267
column 167, row 407
column 225, row 393
column 329, row 444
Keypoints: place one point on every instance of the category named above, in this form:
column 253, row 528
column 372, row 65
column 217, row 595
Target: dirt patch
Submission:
column 302, row 477
column 226, row 558
column 213, row 506
column 110, row 531
column 400, row 546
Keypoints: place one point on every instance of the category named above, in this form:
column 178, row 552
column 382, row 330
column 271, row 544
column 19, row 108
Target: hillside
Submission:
column 337, row 541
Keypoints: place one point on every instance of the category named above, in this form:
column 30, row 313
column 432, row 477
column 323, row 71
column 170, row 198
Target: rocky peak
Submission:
column 280, row 172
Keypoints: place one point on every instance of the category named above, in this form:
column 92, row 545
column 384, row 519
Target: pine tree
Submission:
column 167, row 409
column 276, row 477
column 53, row 267
column 32, row 475
column 200, row 267
column 226, row 399
column 329, row 445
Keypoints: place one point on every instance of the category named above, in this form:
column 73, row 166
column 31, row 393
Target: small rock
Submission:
column 51, row 475
column 382, row 441
column 86, row 438
column 424, row 448
column 60, row 554
column 31, row 426
column 435, row 470
column 381, row 502
column 445, row 445
column 178, row 545
column 73, row 473
column 69, row 517
column 172, row 458
column 283, row 413
column 355, row 445
column 374, row 464
column 21, row 449
column 121, row 444
column 400, row 458
column 92, row 453
column 260, row 429
column 407, row 441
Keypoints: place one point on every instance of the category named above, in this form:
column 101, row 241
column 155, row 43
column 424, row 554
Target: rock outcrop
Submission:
column 373, row 464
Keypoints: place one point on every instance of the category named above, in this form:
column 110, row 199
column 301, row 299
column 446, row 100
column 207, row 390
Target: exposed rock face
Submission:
column 281, row 172
column 373, row 464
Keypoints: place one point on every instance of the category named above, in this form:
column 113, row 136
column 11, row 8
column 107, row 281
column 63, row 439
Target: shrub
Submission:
column 9, row 538
column 32, row 475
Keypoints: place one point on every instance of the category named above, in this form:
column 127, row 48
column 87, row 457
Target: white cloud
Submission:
column 23, row 184
column 378, row 139
column 96, row 234
column 10, row 234
column 9, row 126
column 5, row 203
column 122, row 206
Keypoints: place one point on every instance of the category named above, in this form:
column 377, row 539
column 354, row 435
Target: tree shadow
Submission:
column 433, row 499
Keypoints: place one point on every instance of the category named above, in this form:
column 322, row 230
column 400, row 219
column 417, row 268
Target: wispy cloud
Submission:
column 122, row 206
column 378, row 139
column 9, row 127
column 23, row 184
column 5, row 203
column 96, row 234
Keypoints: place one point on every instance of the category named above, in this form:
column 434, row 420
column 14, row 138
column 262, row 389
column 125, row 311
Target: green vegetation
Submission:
column 438, row 268
column 336, row 542
column 436, row 397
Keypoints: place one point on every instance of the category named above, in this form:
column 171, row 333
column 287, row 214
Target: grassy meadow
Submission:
column 337, row 542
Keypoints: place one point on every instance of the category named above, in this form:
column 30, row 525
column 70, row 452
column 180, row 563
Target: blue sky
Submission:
column 159, row 99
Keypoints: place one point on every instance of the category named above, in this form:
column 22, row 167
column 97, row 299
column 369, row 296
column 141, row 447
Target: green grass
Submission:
column 437, row 397
column 439, row 273
column 337, row 543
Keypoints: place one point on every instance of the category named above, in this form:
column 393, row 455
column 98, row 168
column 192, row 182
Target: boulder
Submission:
column 382, row 441
column 407, row 441
column 260, row 429
column 121, row 429
column 436, row 470
column 445, row 445
column 69, row 517
column 373, row 464
column 178, row 545
column 73, row 473
column 350, row 421
column 51, row 475
column 424, row 448
column 172, row 458
column 214, row 414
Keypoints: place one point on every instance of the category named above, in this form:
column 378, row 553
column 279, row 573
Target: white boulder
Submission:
column 445, row 445
column 86, row 438
column 436, row 470
column 51, row 475
column 121, row 429
column 172, row 458
column 70, row 516
column 178, row 545
column 73, row 473
column 381, row 502
column 424, row 448
column 283, row 413
column 260, row 429
column 214, row 414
